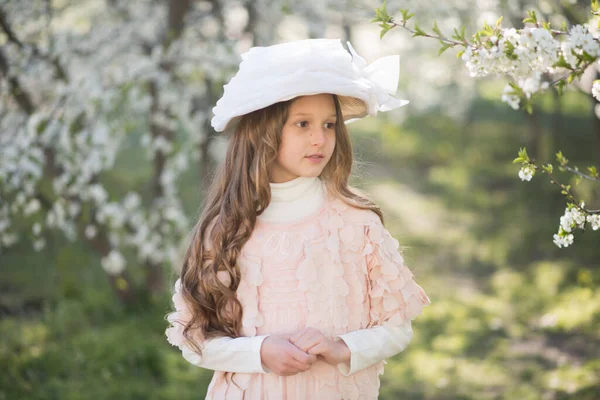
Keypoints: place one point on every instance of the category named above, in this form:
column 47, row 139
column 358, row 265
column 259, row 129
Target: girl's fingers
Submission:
column 319, row 348
column 302, row 357
column 308, row 341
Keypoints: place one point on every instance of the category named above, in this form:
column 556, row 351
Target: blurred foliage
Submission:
column 512, row 316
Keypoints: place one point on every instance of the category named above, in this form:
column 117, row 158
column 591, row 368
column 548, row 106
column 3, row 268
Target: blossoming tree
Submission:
column 78, row 84
column 533, row 59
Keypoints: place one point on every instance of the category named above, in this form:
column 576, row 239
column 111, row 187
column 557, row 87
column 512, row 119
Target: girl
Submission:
column 291, row 287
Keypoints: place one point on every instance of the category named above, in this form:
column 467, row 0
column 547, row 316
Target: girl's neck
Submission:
column 294, row 189
column 293, row 200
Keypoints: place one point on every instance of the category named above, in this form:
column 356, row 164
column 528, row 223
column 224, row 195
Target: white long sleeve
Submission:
column 371, row 345
column 229, row 354
column 367, row 347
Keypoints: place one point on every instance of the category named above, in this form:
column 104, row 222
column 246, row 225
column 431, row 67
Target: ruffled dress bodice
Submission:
column 336, row 270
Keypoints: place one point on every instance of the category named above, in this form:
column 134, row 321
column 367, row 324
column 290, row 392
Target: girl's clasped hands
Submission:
column 289, row 354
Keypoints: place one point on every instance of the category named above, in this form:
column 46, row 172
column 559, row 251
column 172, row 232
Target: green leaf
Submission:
column 377, row 14
column 418, row 31
column 509, row 50
column 561, row 158
column 381, row 13
column 460, row 36
column 456, row 35
column 384, row 13
column 460, row 54
column 588, row 57
column 532, row 14
column 436, row 29
column 522, row 156
column 406, row 14
column 499, row 21
column 444, row 48
column 548, row 168
column 385, row 30
column 560, row 87
column 487, row 30
column 562, row 63
column 593, row 171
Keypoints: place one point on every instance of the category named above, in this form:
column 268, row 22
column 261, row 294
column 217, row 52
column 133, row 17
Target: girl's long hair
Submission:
column 239, row 193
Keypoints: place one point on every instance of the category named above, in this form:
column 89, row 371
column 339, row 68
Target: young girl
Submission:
column 291, row 287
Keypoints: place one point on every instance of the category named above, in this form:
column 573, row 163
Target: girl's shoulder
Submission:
column 353, row 214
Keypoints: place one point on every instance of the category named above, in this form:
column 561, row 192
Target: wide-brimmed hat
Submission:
column 271, row 74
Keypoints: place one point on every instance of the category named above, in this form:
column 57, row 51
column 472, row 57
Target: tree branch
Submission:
column 12, row 37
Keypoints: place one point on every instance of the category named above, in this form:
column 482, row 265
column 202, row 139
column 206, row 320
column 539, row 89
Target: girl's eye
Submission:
column 304, row 124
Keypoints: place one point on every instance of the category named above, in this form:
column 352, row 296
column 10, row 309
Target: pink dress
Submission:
column 338, row 270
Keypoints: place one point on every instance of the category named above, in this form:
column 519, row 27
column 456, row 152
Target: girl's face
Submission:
column 307, row 138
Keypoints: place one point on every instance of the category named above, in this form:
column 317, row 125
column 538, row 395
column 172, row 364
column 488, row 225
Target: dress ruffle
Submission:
column 395, row 296
column 247, row 293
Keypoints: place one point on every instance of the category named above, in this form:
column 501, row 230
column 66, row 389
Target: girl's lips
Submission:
column 315, row 159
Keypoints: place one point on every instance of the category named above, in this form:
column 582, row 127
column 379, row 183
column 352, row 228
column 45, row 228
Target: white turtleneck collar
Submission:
column 293, row 200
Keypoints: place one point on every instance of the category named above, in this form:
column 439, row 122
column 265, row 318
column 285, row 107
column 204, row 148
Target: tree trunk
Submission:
column 155, row 279
column 206, row 162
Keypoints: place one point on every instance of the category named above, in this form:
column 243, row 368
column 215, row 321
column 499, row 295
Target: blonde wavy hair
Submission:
column 239, row 193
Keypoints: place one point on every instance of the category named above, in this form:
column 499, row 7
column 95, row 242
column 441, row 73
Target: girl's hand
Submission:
column 312, row 341
column 283, row 358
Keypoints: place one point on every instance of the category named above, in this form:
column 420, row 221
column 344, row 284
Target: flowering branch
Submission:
column 533, row 59
column 530, row 57
column 576, row 214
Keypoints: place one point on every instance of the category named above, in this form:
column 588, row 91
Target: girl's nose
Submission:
column 317, row 137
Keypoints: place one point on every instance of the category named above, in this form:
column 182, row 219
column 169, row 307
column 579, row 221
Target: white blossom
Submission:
column 509, row 96
column 563, row 240
column 39, row 244
column 596, row 90
column 566, row 221
column 32, row 207
column 526, row 172
column 113, row 263
column 594, row 220
column 578, row 217
column 8, row 239
column 132, row 201
column 90, row 231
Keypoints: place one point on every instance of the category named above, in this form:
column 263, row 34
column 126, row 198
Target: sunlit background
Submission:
column 106, row 151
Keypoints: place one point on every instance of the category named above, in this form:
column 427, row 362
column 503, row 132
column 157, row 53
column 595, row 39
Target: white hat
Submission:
column 268, row 75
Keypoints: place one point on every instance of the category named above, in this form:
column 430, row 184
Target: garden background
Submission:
column 512, row 315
